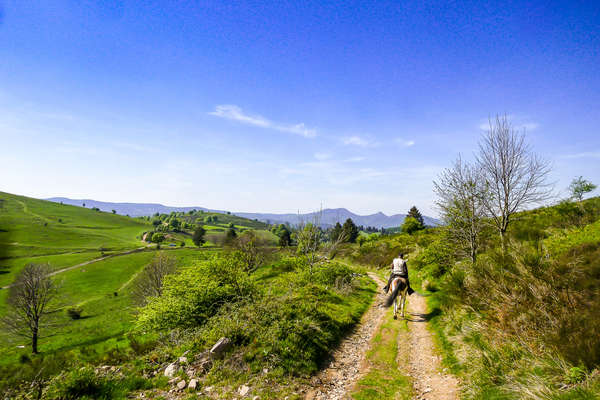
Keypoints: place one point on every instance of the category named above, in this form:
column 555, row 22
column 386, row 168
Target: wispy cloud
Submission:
column 585, row 154
column 235, row 113
column 354, row 159
column 518, row 122
column 404, row 142
column 359, row 141
column 322, row 156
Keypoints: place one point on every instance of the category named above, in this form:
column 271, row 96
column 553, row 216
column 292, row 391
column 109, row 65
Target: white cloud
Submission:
column 404, row 142
column 354, row 159
column 322, row 156
column 519, row 123
column 529, row 126
column 235, row 113
column 359, row 141
column 586, row 154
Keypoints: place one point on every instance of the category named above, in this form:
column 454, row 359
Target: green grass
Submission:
column 385, row 379
column 106, row 318
column 38, row 230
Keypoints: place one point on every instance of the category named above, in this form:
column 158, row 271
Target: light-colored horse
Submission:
column 398, row 287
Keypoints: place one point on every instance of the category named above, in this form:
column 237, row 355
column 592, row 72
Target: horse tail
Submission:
column 390, row 299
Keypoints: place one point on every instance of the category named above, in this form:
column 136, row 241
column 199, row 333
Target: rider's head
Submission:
column 401, row 255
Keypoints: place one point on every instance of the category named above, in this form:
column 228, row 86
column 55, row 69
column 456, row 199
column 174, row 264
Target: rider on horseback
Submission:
column 399, row 269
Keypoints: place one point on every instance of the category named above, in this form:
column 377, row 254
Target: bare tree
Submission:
column 28, row 302
column 309, row 237
column 251, row 249
column 149, row 282
column 461, row 194
column 514, row 176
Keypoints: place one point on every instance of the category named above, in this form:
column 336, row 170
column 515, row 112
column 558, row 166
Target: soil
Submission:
column 347, row 363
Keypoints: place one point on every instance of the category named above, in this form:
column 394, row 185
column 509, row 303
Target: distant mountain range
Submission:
column 327, row 217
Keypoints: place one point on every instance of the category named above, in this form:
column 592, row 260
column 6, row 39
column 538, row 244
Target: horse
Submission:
column 398, row 286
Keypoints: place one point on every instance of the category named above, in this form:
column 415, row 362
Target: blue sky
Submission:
column 284, row 106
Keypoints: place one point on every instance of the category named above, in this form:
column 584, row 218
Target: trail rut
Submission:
column 348, row 364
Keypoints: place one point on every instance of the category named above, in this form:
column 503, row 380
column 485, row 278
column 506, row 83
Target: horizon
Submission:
column 55, row 198
column 280, row 106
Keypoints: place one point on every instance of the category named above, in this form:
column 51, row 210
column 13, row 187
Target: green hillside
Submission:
column 42, row 231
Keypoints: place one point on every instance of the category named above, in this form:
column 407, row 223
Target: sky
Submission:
column 287, row 106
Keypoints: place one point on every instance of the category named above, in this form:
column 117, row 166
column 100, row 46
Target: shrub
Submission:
column 74, row 312
column 195, row 294
column 81, row 383
column 158, row 237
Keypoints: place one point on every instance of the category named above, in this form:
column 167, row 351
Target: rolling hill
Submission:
column 327, row 217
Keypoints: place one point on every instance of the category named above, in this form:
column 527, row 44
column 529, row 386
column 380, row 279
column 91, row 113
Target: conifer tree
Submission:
column 350, row 230
column 416, row 214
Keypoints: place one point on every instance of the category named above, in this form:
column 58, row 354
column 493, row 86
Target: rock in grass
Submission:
column 171, row 370
column 181, row 385
column 243, row 390
column 193, row 384
column 219, row 348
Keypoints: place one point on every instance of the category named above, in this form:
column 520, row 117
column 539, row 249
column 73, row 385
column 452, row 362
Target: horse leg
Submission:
column 403, row 301
column 395, row 307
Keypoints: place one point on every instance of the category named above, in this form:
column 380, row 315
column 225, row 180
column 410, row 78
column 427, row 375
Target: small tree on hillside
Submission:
column 336, row 231
column 411, row 225
column 579, row 187
column 250, row 250
column 158, row 237
column 198, row 236
column 114, row 211
column 309, row 241
column 461, row 193
column 174, row 223
column 514, row 176
column 285, row 238
column 230, row 236
column 350, row 231
column 149, row 282
column 28, row 302
column 416, row 214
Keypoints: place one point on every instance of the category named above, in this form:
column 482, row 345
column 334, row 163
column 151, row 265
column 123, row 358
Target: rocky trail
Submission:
column 348, row 363
column 344, row 368
column 430, row 381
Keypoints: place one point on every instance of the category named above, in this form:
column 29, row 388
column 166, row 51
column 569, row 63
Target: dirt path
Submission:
column 348, row 363
column 429, row 380
column 59, row 271
column 344, row 369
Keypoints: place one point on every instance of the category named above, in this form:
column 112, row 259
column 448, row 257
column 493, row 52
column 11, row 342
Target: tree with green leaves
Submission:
column 285, row 238
column 350, row 230
column 309, row 242
column 158, row 237
column 230, row 236
column 416, row 214
column 579, row 187
column 336, row 231
column 174, row 223
column 411, row 225
column 198, row 236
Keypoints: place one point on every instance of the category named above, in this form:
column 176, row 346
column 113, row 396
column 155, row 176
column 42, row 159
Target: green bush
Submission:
column 74, row 312
column 81, row 383
column 196, row 293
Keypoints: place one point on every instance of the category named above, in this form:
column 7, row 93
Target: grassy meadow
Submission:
column 520, row 325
